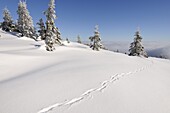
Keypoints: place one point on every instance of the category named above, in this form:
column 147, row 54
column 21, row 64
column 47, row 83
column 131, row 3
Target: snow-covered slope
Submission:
column 75, row 79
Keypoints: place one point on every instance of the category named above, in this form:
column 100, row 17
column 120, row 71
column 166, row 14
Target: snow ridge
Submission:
column 90, row 92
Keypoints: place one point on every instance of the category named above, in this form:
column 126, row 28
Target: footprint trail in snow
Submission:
column 90, row 92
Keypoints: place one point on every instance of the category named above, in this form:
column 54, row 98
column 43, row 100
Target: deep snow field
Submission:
column 76, row 79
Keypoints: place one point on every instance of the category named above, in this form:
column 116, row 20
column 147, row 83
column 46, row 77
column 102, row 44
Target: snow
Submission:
column 76, row 79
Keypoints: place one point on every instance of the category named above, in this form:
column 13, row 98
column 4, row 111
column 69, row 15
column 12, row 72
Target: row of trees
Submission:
column 24, row 25
column 50, row 33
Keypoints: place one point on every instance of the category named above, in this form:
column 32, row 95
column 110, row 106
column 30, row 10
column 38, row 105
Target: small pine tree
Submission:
column 67, row 40
column 42, row 29
column 7, row 24
column 52, row 33
column 78, row 39
column 95, row 40
column 0, row 24
column 136, row 47
column 25, row 22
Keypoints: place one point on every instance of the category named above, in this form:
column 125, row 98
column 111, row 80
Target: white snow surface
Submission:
column 76, row 79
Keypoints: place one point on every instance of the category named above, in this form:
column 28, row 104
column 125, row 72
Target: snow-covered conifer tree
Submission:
column 78, row 39
column 67, row 40
column 136, row 47
column 42, row 29
column 0, row 24
column 25, row 22
column 7, row 24
column 52, row 32
column 95, row 40
column 58, row 36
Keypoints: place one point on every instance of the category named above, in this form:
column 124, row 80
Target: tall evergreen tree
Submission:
column 95, row 40
column 7, row 24
column 25, row 22
column 136, row 47
column 42, row 29
column 52, row 32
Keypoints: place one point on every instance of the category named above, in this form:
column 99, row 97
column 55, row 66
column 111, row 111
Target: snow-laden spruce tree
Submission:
column 67, row 40
column 78, row 39
column 25, row 22
column 52, row 33
column 95, row 40
column 136, row 47
column 7, row 24
column 42, row 30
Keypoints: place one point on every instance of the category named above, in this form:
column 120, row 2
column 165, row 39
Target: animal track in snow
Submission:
column 105, row 83
column 89, row 92
column 101, row 88
column 73, row 101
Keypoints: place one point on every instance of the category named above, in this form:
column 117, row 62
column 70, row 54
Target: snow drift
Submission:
column 76, row 79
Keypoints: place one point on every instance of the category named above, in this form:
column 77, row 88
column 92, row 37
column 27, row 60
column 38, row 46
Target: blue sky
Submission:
column 117, row 19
